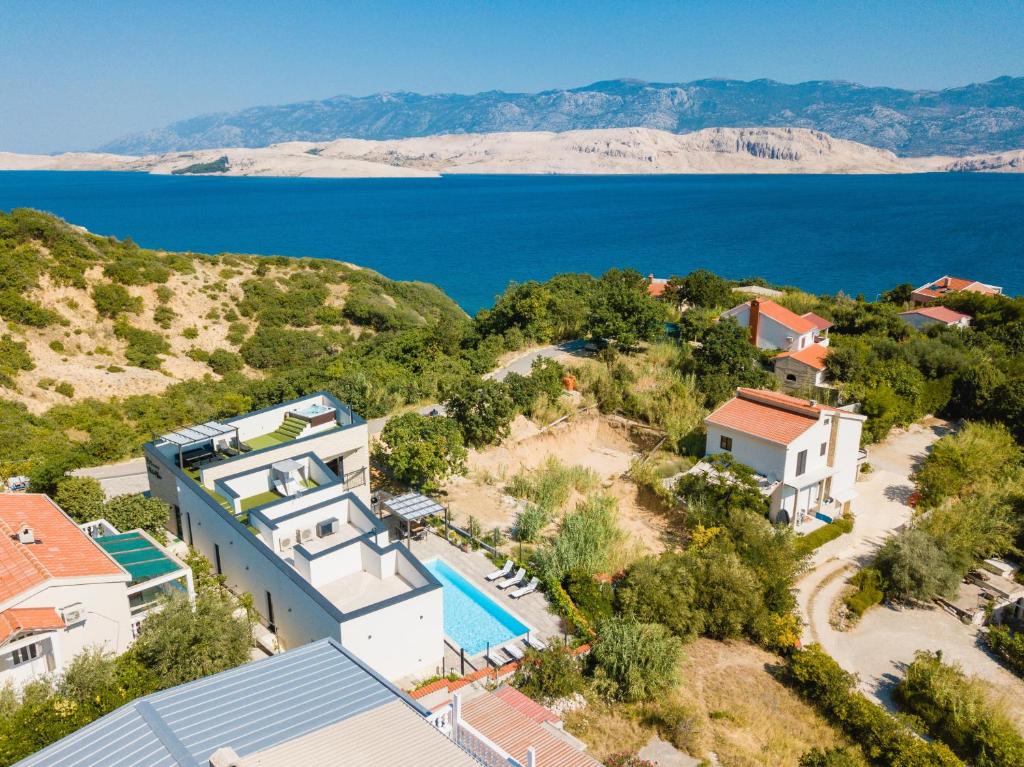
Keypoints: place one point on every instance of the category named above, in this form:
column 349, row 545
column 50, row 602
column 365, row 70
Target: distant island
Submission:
column 979, row 118
column 605, row 151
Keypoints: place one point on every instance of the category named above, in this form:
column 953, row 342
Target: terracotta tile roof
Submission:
column 656, row 285
column 947, row 284
column 938, row 313
column 19, row 619
column 820, row 323
column 782, row 315
column 813, row 356
column 766, row 414
column 61, row 549
column 514, row 731
column 527, row 706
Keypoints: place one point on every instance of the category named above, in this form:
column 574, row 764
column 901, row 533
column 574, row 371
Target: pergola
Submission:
column 412, row 507
column 196, row 435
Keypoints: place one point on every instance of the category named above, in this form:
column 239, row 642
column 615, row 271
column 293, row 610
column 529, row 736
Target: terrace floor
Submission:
column 360, row 589
column 270, row 496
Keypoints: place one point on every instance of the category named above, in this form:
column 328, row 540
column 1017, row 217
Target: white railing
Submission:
column 449, row 721
column 354, row 479
column 98, row 528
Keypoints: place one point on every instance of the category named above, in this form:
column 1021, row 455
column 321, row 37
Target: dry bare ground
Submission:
column 591, row 441
column 742, row 714
column 90, row 347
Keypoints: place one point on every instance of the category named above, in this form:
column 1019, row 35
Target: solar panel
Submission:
column 412, row 506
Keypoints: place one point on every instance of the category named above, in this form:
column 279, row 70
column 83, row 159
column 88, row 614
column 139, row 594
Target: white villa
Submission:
column 773, row 326
column 806, row 454
column 278, row 500
column 63, row 589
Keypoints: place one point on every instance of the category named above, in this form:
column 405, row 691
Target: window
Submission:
column 824, row 448
column 790, row 377
column 216, row 557
column 801, row 462
column 270, row 614
column 25, row 654
column 188, row 524
column 725, row 443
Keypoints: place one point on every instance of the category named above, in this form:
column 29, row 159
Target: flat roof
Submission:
column 250, row 709
column 137, row 554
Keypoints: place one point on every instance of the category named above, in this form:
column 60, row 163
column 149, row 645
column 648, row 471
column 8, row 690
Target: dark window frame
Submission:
column 801, row 462
column 725, row 443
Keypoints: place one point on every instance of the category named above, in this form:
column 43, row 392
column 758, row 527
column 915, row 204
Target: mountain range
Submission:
column 978, row 118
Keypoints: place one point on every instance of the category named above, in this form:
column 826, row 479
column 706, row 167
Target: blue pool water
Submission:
column 309, row 411
column 471, row 235
column 472, row 620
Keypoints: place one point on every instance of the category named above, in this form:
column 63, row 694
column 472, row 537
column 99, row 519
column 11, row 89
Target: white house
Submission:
column 925, row 316
column 62, row 591
column 806, row 453
column 278, row 501
column 773, row 326
column 945, row 285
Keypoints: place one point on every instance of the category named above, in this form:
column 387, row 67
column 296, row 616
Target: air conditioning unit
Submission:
column 73, row 614
column 285, row 543
column 306, row 534
column 326, row 527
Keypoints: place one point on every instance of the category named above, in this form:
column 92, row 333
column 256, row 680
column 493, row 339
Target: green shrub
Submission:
column 635, row 661
column 133, row 266
column 112, row 301
column 956, row 709
column 143, row 347
column 65, row 389
column 550, row 486
column 14, row 357
column 237, row 331
column 15, row 308
column 913, row 567
column 869, row 591
column 805, row 544
column 595, row 600
column 585, row 540
column 164, row 294
column 221, row 361
column 163, row 316
column 662, row 590
column 272, row 347
column 57, row 346
column 550, row 674
column 82, row 498
column 884, row 738
column 191, row 333
column 530, row 522
column 1008, row 645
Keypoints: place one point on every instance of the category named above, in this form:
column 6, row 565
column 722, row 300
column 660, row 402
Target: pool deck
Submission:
column 474, row 565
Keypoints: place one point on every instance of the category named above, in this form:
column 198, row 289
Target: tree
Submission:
column 82, row 498
column 550, row 674
column 839, row 756
column 183, row 642
column 663, row 590
column 731, row 485
column 127, row 512
column 636, row 661
column 585, row 540
column 726, row 359
column 483, row 410
column 700, row 288
column 898, row 295
column 915, row 568
column 423, row 451
column 622, row 309
column 961, row 461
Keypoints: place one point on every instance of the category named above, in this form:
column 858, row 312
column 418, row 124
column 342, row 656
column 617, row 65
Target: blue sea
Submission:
column 472, row 235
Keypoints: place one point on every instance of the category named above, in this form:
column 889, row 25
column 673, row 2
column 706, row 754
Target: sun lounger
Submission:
column 534, row 643
column 514, row 652
column 500, row 573
column 496, row 659
column 515, row 580
column 529, row 588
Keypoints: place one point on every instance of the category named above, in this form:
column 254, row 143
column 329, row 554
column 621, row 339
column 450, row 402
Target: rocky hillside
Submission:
column 618, row 150
column 978, row 118
column 84, row 316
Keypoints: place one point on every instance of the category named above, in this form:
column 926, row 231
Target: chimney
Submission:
column 755, row 320
column 25, row 534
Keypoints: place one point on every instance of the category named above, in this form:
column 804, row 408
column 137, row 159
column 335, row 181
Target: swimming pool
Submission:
column 472, row 620
column 312, row 410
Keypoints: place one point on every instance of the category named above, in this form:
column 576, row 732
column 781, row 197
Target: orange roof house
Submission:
column 768, row 415
column 804, row 369
column 923, row 316
column 656, row 286
column 773, row 326
column 945, row 285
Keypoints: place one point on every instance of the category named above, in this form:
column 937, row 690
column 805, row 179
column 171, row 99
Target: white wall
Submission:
column 405, row 639
column 767, row 458
column 847, row 451
column 326, row 568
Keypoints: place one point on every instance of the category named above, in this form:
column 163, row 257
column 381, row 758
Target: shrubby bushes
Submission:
column 635, row 661
column 422, row 451
column 1008, row 645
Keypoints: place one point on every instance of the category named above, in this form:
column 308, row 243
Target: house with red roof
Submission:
column 62, row 590
column 656, row 285
column 773, row 326
column 804, row 369
column 925, row 316
column 806, row 453
column 932, row 291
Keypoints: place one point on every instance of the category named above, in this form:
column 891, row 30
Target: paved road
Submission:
column 130, row 476
column 885, row 639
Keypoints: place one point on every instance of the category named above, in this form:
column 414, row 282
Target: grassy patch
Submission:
column 869, row 593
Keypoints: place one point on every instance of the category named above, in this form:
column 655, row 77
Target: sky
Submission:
column 76, row 74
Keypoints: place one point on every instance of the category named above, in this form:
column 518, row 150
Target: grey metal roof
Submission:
column 250, row 708
column 412, row 506
column 193, row 434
